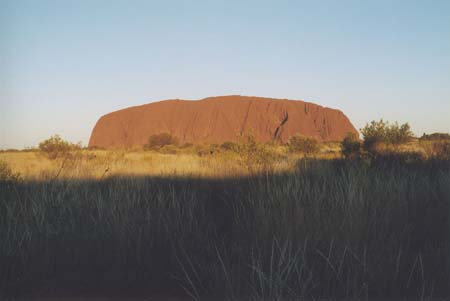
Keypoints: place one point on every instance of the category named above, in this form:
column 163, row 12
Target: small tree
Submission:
column 351, row 146
column 159, row 140
column 55, row 147
column 306, row 145
column 399, row 134
column 381, row 132
column 373, row 133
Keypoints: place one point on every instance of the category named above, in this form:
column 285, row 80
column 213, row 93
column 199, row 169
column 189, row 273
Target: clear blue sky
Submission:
column 63, row 64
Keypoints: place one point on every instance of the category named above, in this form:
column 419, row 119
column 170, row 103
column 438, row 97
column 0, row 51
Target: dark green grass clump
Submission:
column 332, row 229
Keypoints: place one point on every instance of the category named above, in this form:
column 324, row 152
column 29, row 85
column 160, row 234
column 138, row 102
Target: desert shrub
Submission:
column 230, row 146
column 185, row 148
column 6, row 174
column 441, row 150
column 202, row 150
column 399, row 134
column 383, row 133
column 374, row 134
column 435, row 137
column 159, row 140
column 255, row 155
column 351, row 146
column 306, row 145
column 55, row 147
column 169, row 149
column 206, row 149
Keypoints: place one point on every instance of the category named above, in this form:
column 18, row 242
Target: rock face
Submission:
column 220, row 119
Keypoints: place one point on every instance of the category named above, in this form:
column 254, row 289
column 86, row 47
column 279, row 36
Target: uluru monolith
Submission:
column 220, row 119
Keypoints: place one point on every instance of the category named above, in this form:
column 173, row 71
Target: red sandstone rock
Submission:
column 220, row 119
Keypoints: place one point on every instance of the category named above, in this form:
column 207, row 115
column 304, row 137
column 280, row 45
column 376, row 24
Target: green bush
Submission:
column 55, row 147
column 399, row 134
column 157, row 141
column 306, row 145
column 381, row 132
column 351, row 146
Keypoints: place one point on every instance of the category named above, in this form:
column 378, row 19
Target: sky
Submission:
column 63, row 64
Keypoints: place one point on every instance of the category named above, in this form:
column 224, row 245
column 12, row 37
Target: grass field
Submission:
column 203, row 160
column 101, row 164
column 224, row 225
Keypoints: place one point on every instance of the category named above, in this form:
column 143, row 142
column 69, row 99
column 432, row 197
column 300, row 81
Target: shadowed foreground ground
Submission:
column 331, row 229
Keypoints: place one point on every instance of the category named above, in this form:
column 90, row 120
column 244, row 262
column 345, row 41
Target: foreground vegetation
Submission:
column 330, row 229
column 249, row 221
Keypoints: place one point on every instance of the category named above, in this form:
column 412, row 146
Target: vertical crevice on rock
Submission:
column 279, row 129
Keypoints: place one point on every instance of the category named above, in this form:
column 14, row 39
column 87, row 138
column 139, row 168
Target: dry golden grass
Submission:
column 97, row 164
